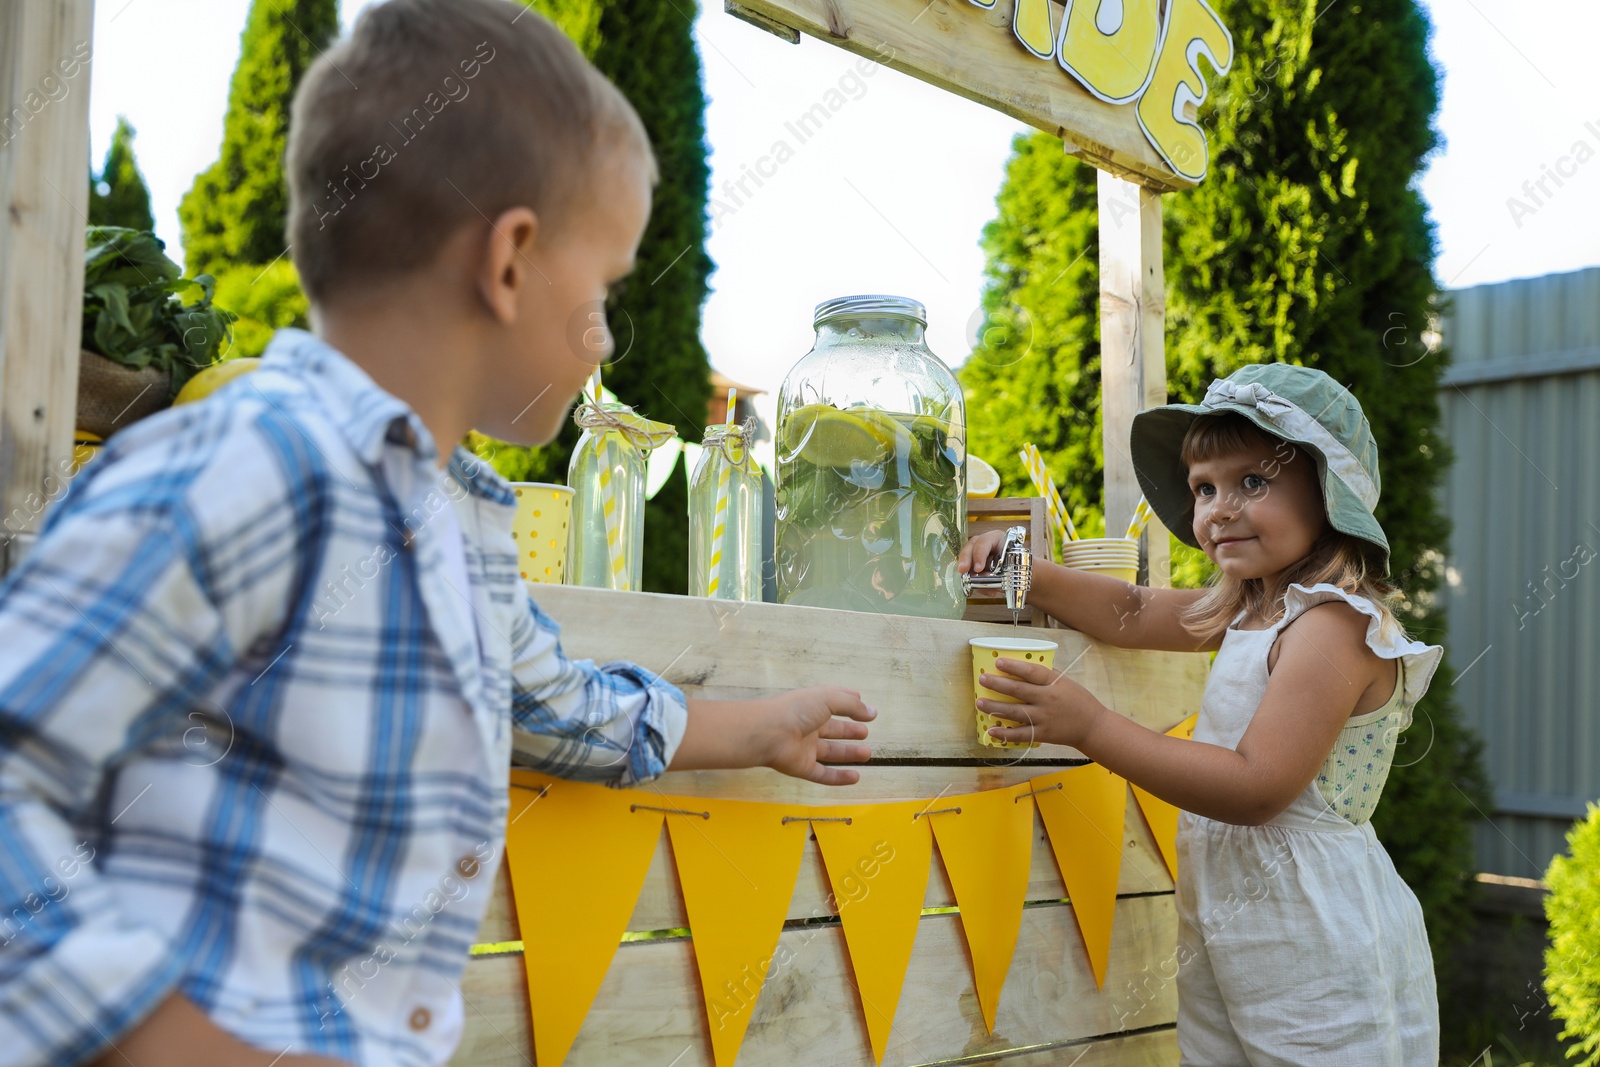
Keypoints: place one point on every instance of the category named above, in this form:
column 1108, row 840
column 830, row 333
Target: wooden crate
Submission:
column 650, row 1010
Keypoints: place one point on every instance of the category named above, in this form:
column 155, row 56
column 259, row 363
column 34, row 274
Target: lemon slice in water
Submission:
column 828, row 437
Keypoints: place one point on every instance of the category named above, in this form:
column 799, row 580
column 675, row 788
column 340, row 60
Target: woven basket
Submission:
column 111, row 396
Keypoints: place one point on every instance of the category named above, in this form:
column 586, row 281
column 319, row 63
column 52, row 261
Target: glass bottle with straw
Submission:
column 725, row 514
column 605, row 546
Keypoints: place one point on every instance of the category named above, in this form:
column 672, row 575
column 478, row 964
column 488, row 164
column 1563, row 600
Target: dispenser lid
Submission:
column 869, row 304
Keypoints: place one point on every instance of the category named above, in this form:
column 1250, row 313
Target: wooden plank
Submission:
column 44, row 163
column 972, row 52
column 1133, row 368
column 650, row 1010
column 916, row 672
column 1002, row 513
column 660, row 904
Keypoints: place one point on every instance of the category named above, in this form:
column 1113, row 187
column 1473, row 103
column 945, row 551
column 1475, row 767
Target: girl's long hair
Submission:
column 1335, row 559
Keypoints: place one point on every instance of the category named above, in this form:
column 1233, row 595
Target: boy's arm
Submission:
column 615, row 723
column 621, row 724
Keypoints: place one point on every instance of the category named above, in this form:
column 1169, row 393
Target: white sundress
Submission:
column 1298, row 944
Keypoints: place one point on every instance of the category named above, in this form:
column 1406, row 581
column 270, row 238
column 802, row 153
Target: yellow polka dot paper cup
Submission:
column 986, row 651
column 540, row 530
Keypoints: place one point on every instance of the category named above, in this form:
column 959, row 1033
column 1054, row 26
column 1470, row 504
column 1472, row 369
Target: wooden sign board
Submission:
column 1119, row 83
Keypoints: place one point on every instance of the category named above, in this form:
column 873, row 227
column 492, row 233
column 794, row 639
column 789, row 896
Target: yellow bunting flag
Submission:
column 578, row 856
column 1163, row 817
column 986, row 841
column 1083, row 811
column 737, row 863
column 877, row 864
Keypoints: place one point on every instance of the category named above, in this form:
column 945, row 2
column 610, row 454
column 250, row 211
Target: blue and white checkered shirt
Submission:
column 252, row 746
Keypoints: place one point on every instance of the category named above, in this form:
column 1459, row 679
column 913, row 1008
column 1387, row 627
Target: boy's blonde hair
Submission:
column 434, row 114
column 1335, row 559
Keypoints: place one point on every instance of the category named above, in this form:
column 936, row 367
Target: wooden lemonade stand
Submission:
column 655, row 1006
column 1045, row 1003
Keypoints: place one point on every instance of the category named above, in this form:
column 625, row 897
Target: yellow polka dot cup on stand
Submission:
column 540, row 530
column 986, row 651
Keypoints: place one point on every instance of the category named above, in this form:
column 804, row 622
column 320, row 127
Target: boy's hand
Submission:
column 980, row 552
column 1060, row 711
column 178, row 1034
column 804, row 729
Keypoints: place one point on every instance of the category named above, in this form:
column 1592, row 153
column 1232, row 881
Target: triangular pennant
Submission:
column 737, row 864
column 1083, row 811
column 574, row 852
column 1163, row 817
column 878, row 866
column 986, row 844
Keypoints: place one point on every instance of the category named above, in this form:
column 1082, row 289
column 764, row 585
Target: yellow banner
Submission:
column 1083, row 811
column 877, row 857
column 1163, row 817
column 986, row 841
column 737, row 863
column 578, row 856
column 572, row 913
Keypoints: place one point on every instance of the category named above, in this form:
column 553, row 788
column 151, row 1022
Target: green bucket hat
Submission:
column 1298, row 404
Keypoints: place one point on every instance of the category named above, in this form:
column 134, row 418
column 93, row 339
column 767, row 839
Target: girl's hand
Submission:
column 980, row 552
column 1054, row 708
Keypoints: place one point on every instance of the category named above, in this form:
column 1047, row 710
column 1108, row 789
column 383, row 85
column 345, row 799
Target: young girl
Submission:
column 1298, row 943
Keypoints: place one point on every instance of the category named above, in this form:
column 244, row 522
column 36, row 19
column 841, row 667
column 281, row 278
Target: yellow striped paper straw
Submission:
column 1141, row 517
column 719, row 516
column 1045, row 486
column 609, row 460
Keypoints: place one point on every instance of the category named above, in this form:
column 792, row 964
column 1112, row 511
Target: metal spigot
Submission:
column 1011, row 572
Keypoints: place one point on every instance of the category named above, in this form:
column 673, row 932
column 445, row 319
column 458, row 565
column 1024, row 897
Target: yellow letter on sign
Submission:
column 1109, row 46
column 1193, row 30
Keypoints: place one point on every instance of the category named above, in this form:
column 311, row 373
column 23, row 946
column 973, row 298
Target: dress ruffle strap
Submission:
column 1421, row 661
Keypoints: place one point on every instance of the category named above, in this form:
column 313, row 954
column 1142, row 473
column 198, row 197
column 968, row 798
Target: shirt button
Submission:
column 467, row 866
column 420, row 1018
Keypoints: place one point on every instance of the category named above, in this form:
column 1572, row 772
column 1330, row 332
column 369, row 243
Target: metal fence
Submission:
column 1521, row 408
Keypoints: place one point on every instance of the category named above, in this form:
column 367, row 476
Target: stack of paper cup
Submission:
column 1114, row 556
column 986, row 651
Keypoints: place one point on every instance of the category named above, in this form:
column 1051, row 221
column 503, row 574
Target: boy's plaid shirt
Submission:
column 249, row 749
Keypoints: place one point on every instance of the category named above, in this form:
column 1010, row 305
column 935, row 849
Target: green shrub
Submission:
column 265, row 299
column 1572, row 962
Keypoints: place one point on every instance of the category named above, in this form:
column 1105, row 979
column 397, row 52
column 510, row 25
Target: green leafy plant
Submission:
column 139, row 311
column 1572, row 961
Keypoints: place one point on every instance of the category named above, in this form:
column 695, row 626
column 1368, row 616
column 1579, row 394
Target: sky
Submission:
column 892, row 193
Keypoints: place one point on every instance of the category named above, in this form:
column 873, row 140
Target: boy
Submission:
column 258, row 689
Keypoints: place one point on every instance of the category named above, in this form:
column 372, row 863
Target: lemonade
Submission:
column 871, row 511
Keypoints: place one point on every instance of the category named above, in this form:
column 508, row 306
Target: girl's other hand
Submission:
column 980, row 552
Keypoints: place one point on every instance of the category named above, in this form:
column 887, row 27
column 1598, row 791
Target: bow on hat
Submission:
column 1251, row 395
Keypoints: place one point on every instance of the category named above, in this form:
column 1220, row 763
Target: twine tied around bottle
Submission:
column 724, row 435
column 640, row 432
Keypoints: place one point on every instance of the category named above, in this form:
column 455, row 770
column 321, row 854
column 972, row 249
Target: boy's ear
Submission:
column 506, row 267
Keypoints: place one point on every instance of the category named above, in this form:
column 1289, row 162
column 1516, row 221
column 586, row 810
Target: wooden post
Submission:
column 1133, row 368
column 44, row 167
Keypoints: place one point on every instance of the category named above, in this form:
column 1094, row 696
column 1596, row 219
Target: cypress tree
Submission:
column 235, row 212
column 660, row 365
column 1307, row 243
column 119, row 196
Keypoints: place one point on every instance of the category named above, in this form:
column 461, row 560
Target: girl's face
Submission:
column 1258, row 511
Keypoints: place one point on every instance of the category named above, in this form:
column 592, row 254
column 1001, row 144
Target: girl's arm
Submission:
column 1107, row 609
column 1324, row 666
